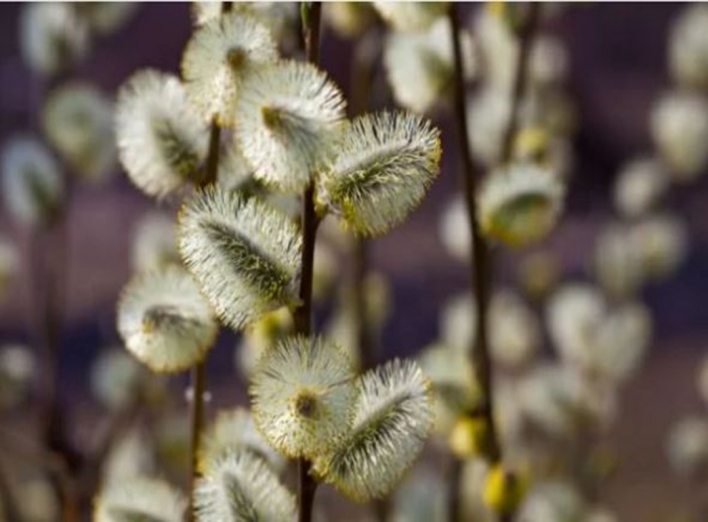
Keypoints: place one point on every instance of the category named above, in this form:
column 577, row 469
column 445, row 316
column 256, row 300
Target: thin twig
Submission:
column 198, row 375
column 480, row 268
column 479, row 273
column 526, row 37
column 311, row 14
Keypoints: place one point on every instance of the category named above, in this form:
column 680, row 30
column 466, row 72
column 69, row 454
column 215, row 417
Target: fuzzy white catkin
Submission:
column 232, row 431
column 32, row 186
column 548, row 61
column 488, row 114
column 688, row 48
column 131, row 456
column 679, row 126
column 52, row 36
column 244, row 254
column 303, row 396
column 411, row 16
column 617, row 261
column 420, row 65
column 143, row 498
column 622, row 341
column 520, row 203
column 514, row 332
column 573, row 315
column 278, row 17
column 241, row 487
column 662, row 243
column 393, row 417
column 454, row 385
column 384, row 166
column 458, row 322
column 552, row 501
column 639, row 186
column 78, row 121
column 162, row 141
column 687, row 446
column 454, row 229
column 288, row 119
column 555, row 398
column 164, row 320
column 609, row 343
column 217, row 59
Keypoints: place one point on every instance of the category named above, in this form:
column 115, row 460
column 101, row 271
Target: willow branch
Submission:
column 311, row 13
column 521, row 76
column 481, row 266
column 198, row 375
column 479, row 270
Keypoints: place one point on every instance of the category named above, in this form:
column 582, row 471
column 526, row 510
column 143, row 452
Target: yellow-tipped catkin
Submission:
column 503, row 490
column 469, row 437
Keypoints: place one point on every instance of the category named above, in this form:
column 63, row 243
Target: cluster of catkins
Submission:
column 238, row 137
column 552, row 414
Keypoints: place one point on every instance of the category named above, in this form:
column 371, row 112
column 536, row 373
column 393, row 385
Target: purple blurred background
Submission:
column 618, row 67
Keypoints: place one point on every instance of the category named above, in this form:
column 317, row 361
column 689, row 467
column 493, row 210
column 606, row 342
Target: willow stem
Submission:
column 311, row 14
column 198, row 375
column 526, row 37
column 479, row 269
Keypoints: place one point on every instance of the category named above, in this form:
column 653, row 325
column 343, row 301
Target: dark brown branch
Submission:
column 479, row 270
column 526, row 37
column 198, row 375
column 307, row 486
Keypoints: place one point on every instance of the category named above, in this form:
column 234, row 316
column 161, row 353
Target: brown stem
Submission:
column 311, row 13
column 198, row 375
column 454, row 475
column 479, row 269
column 310, row 223
column 306, row 491
column 526, row 36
